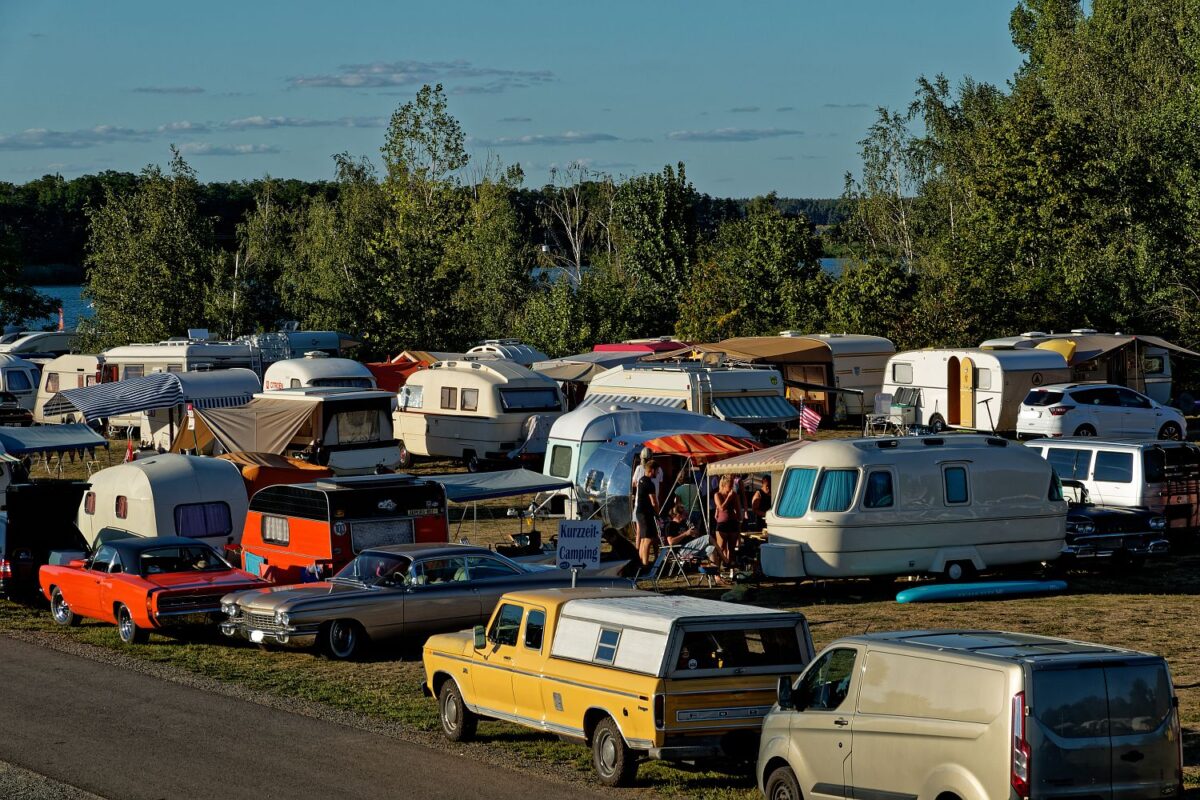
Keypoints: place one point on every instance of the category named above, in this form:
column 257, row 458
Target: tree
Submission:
column 18, row 302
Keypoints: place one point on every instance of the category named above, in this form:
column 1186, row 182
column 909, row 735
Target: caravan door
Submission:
column 966, row 402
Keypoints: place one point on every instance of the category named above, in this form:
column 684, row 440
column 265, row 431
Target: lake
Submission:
column 73, row 305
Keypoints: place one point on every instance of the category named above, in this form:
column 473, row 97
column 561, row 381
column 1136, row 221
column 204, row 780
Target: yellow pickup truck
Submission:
column 631, row 674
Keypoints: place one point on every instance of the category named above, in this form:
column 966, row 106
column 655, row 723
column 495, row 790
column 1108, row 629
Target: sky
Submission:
column 753, row 96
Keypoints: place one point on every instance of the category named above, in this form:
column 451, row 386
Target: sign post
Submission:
column 578, row 545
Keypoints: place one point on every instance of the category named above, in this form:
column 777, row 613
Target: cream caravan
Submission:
column 317, row 369
column 20, row 378
column 477, row 411
column 166, row 495
column 970, row 389
column 64, row 372
column 912, row 505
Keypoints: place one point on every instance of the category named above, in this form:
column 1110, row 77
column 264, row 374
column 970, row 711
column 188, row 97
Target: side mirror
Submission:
column 480, row 637
column 783, row 692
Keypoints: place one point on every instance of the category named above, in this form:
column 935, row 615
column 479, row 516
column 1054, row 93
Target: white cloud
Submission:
column 567, row 137
column 45, row 139
column 208, row 149
column 261, row 122
column 732, row 135
column 169, row 90
column 384, row 74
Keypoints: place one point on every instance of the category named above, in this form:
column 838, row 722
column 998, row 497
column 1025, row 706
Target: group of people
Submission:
column 705, row 516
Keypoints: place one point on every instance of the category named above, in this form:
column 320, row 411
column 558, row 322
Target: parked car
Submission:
column 1127, row 535
column 973, row 715
column 629, row 673
column 390, row 592
column 1097, row 409
column 12, row 412
column 39, row 521
column 142, row 584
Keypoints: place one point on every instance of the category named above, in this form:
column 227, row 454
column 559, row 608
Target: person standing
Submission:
column 655, row 472
column 645, row 511
column 760, row 503
column 728, row 516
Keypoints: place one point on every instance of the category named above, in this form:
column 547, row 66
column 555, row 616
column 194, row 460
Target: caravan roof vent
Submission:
column 1083, row 330
column 1034, row 335
column 316, row 354
column 791, row 334
column 831, row 335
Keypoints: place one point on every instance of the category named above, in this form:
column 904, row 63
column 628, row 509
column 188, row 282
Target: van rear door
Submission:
column 1145, row 756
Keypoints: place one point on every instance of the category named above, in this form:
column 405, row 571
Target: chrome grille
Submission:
column 262, row 622
column 190, row 602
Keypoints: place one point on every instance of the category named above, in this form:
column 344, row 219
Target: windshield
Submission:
column 530, row 400
column 1041, row 397
column 191, row 558
column 376, row 569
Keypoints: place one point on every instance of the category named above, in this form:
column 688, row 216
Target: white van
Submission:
column 20, row 378
column 64, row 372
column 477, row 411
column 971, row 389
column 166, row 495
column 973, row 715
column 317, row 369
column 911, row 505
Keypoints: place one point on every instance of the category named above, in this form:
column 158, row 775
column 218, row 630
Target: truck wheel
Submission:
column 59, row 609
column 458, row 721
column 128, row 630
column 405, row 457
column 615, row 763
column 782, row 785
column 957, row 571
column 1170, row 431
column 342, row 640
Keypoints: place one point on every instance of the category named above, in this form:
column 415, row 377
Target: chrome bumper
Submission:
column 1131, row 545
column 294, row 635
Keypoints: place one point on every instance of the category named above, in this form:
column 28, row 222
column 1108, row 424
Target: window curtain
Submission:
column 836, row 491
column 198, row 520
column 797, row 489
column 354, row 427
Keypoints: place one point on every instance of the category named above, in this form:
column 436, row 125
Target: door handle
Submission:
column 507, row 658
column 1133, row 756
column 841, row 723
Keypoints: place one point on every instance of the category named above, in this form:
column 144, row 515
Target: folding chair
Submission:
column 666, row 565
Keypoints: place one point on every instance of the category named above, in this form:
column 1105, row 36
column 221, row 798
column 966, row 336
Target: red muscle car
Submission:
column 143, row 583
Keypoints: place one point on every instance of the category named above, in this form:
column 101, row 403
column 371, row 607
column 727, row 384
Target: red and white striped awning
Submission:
column 702, row 447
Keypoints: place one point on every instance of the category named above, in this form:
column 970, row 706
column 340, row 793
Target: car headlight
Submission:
column 281, row 618
column 1082, row 528
column 229, row 609
column 1158, row 523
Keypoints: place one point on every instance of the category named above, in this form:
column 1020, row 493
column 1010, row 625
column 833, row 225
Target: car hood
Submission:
column 1100, row 514
column 230, row 579
column 461, row 643
column 275, row 598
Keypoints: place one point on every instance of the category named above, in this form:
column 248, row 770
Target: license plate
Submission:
column 256, row 637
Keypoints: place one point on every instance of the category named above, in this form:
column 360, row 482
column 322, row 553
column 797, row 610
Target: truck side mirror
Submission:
column 783, row 692
column 480, row 637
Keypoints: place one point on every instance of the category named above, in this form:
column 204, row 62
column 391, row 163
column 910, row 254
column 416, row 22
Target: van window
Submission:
column 827, row 682
column 121, row 506
column 1113, row 467
column 797, row 491
column 1159, row 463
column 878, row 493
column 449, row 397
column 955, row 479
column 560, row 461
column 1071, row 702
column 530, row 400
column 133, row 371
column 197, row 520
column 17, row 380
column 507, row 625
column 983, row 378
column 535, row 627
column 902, row 373
column 470, row 400
column 1041, row 397
column 344, row 383
column 1069, row 463
column 606, row 646
column 51, row 381
column 275, row 530
column 836, row 490
column 739, row 648
column 1139, row 698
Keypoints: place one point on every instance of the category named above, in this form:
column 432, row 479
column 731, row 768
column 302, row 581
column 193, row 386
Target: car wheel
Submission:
column 405, row 457
column 937, row 424
column 615, row 763
column 59, row 609
column 128, row 630
column 458, row 721
column 1085, row 430
column 957, row 571
column 472, row 462
column 1170, row 431
column 782, row 785
column 343, row 639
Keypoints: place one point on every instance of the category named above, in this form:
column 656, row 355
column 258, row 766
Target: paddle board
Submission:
column 942, row 592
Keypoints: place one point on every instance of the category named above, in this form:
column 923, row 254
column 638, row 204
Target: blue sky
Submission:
column 752, row 96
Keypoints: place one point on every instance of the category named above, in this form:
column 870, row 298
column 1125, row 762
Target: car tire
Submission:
column 937, row 423
column 782, row 785
column 958, row 571
column 458, row 721
column 128, row 630
column 343, row 640
column 1170, row 431
column 614, row 762
column 405, row 457
column 60, row 611
column 1085, row 430
column 472, row 462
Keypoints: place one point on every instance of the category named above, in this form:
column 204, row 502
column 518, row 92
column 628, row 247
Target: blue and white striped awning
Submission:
column 769, row 408
column 616, row 399
column 224, row 388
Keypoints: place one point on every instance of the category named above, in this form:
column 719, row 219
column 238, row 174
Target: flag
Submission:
column 129, row 454
column 810, row 420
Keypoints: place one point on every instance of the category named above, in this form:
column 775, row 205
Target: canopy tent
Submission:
column 216, row 389
column 619, row 399
column 263, row 425
column 1084, row 347
column 581, row 368
column 50, row 439
column 260, row 470
column 702, row 448
column 772, row 459
column 467, row 487
column 754, row 409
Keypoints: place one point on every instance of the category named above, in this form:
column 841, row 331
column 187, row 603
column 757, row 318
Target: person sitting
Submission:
column 679, row 529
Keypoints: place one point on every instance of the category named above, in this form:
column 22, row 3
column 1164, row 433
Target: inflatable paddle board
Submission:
column 944, row 592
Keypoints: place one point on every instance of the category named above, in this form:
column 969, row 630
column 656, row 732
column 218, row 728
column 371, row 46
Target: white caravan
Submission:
column 509, row 350
column 970, row 389
column 64, row 372
column 20, row 377
column 166, row 495
column 912, row 505
column 477, row 411
column 317, row 369
column 38, row 343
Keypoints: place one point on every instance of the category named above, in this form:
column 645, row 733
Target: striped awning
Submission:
column 49, row 439
column 769, row 408
column 617, row 399
column 702, row 447
column 772, row 459
column 217, row 389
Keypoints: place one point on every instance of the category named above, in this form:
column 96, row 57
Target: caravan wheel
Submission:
column 471, row 461
column 405, row 457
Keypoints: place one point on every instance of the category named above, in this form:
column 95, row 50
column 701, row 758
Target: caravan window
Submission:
column 174, row 367
column 275, row 530
column 347, row 383
column 198, row 520
column 560, row 461
column 907, row 396
column 121, row 506
column 878, row 493
column 955, row 479
column 606, row 647
column 470, row 400
column 902, row 373
column 355, row 427
column 17, row 380
column 797, row 491
column 836, row 490
column 412, row 397
column 133, row 371
column 51, row 381
column 530, row 400
column 449, row 397
column 1154, row 365
column 983, row 378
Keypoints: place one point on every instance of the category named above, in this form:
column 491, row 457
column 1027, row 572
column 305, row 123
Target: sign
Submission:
column 579, row 544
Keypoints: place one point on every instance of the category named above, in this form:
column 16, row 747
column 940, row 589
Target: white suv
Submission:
column 1097, row 409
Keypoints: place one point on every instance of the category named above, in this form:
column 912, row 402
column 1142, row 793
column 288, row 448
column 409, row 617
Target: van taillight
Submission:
column 5, row 568
column 660, row 711
column 1020, row 747
column 1058, row 411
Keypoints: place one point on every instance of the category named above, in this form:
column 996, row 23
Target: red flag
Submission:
column 61, row 322
column 810, row 420
column 129, row 454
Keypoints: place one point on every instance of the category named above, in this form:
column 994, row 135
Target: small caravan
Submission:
column 970, row 389
column 509, row 350
column 43, row 344
column 64, row 372
column 912, row 505
column 165, row 495
column 752, row 398
column 19, row 377
column 477, row 411
column 317, row 369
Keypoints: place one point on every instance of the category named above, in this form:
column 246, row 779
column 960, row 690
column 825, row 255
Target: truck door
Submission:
column 527, row 660
column 822, row 723
column 493, row 678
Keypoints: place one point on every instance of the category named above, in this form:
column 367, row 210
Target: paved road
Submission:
column 127, row 736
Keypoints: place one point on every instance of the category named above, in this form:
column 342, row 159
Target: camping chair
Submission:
column 666, row 565
column 882, row 421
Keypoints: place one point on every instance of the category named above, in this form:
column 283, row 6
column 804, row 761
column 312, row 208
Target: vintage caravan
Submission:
column 509, row 350
column 574, row 373
column 317, row 369
column 19, row 377
column 971, row 389
column 752, row 398
column 913, row 505
column 477, row 411
column 165, row 495
column 1142, row 363
column 64, row 372
column 42, row 344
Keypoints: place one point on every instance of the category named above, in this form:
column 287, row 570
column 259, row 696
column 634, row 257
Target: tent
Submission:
column 771, row 459
column 702, row 447
column 263, row 425
column 467, row 487
column 216, row 389
column 581, row 368
column 50, row 439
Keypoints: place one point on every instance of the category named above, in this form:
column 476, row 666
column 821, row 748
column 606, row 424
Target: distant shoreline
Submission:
column 52, row 274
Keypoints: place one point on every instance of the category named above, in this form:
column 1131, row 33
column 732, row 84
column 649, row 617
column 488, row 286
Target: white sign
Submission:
column 579, row 543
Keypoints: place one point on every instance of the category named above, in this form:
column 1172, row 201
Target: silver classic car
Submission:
column 405, row 590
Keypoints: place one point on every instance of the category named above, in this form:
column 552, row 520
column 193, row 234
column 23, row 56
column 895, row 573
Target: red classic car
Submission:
column 142, row 584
